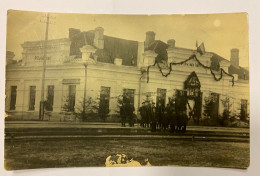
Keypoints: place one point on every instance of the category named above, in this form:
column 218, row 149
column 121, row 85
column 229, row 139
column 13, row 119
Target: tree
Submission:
column 226, row 112
column 103, row 109
column 208, row 109
column 85, row 108
column 197, row 109
column 67, row 106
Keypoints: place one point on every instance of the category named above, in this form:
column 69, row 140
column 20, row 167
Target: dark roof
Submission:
column 9, row 54
column 159, row 48
column 242, row 72
column 217, row 57
column 126, row 50
column 215, row 61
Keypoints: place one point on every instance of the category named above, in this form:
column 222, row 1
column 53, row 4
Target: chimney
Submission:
column 234, row 59
column 99, row 38
column 150, row 37
column 171, row 43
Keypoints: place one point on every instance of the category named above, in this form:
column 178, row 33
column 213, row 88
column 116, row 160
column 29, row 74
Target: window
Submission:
column 13, row 97
column 128, row 95
column 161, row 97
column 215, row 104
column 104, row 99
column 181, row 93
column 72, row 96
column 243, row 112
column 180, row 100
column 32, row 97
column 50, row 97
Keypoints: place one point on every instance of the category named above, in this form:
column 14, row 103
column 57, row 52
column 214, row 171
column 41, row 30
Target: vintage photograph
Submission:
column 88, row 90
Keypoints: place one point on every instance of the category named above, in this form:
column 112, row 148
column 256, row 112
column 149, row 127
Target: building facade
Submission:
column 92, row 64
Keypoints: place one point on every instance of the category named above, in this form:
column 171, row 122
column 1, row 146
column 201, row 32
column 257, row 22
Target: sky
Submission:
column 219, row 32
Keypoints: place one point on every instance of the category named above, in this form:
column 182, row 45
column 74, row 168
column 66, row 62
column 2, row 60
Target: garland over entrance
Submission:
column 190, row 58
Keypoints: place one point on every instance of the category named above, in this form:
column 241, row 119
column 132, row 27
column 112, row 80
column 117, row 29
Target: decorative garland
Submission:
column 179, row 63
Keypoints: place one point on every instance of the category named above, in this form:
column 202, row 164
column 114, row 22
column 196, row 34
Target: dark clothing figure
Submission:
column 129, row 108
column 182, row 119
column 142, row 111
column 153, row 118
column 173, row 122
column 159, row 115
column 165, row 121
column 170, row 111
column 148, row 114
column 179, row 122
column 123, row 115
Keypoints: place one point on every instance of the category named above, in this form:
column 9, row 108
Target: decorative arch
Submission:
column 192, row 85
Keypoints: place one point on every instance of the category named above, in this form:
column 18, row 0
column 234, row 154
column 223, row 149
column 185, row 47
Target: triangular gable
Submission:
column 192, row 81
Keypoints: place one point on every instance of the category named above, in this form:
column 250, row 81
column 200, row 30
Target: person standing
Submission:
column 142, row 113
column 147, row 114
column 165, row 119
column 153, row 118
column 172, row 117
column 130, row 113
column 159, row 114
column 123, row 114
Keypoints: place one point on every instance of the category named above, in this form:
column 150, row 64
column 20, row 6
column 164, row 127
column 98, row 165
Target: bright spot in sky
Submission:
column 217, row 23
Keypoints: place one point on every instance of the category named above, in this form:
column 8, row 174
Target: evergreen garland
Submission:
column 190, row 58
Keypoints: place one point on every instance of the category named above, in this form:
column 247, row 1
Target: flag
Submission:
column 201, row 48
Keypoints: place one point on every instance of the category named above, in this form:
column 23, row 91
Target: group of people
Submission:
column 127, row 113
column 163, row 117
column 155, row 117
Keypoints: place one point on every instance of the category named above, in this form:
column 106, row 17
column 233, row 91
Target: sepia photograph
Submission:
column 103, row 90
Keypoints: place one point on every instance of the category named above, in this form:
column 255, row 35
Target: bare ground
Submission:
column 85, row 153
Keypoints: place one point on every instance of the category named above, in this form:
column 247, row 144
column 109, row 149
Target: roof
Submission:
column 40, row 43
column 240, row 71
column 126, row 50
column 10, row 54
column 159, row 48
column 215, row 61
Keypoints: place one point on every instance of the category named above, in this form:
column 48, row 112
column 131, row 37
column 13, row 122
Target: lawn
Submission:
column 83, row 153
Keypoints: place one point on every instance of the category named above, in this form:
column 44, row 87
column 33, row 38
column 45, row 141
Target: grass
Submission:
column 83, row 153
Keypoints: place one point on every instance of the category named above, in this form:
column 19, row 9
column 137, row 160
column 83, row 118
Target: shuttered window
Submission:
column 104, row 99
column 13, row 97
column 243, row 112
column 161, row 97
column 128, row 95
column 72, row 96
column 50, row 98
column 32, row 97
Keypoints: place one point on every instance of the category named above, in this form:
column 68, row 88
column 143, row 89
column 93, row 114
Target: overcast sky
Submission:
column 219, row 32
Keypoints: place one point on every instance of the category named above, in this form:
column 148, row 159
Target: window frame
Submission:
column 32, row 98
column 13, row 100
